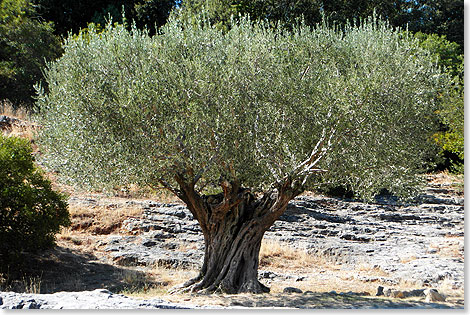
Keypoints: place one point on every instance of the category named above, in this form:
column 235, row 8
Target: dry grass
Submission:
column 451, row 248
column 101, row 219
column 446, row 177
column 275, row 254
column 407, row 259
column 455, row 181
column 6, row 108
column 24, row 128
column 156, row 282
column 27, row 284
column 297, row 269
column 446, row 287
column 316, row 273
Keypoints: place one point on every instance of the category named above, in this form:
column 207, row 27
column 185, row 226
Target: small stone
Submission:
column 31, row 304
column 397, row 294
column 103, row 291
column 433, row 296
column 387, row 292
column 292, row 290
column 267, row 275
column 380, row 291
column 149, row 243
column 414, row 293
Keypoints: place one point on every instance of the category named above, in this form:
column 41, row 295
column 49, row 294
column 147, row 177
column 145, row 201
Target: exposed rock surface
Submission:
column 421, row 242
column 96, row 299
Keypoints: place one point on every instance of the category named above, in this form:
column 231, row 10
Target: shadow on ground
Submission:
column 63, row 269
column 321, row 301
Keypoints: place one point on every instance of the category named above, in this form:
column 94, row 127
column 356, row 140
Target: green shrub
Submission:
column 30, row 211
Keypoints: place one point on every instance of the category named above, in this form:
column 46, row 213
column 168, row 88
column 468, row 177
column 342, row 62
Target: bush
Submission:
column 30, row 211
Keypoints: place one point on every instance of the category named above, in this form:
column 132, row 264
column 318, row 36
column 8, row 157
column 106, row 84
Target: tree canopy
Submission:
column 255, row 104
column 445, row 18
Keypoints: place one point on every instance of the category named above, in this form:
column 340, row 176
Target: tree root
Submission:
column 186, row 286
column 196, row 285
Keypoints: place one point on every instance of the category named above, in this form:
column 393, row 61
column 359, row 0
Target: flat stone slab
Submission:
column 96, row 299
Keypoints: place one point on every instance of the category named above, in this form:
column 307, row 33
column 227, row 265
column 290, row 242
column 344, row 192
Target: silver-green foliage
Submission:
column 352, row 107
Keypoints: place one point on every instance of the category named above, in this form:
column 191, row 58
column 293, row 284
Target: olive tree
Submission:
column 238, row 123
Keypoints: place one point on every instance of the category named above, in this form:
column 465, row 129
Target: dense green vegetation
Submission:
column 450, row 136
column 31, row 213
column 30, row 32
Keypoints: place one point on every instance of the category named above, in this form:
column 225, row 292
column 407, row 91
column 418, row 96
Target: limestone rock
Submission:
column 433, row 296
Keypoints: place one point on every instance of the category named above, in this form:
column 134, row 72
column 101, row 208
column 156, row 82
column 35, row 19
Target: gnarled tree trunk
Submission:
column 233, row 224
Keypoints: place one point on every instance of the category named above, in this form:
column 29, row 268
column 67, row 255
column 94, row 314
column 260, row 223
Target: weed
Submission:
column 32, row 284
column 279, row 255
column 7, row 109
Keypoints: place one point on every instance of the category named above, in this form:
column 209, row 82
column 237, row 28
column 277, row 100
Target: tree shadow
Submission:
column 64, row 269
column 317, row 300
column 294, row 212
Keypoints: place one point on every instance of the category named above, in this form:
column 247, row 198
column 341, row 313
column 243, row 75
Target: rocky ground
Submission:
column 360, row 250
column 421, row 244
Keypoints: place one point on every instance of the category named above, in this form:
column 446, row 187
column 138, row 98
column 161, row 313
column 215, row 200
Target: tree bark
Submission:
column 233, row 224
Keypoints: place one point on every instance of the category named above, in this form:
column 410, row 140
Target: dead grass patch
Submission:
column 450, row 248
column 454, row 181
column 315, row 273
column 7, row 109
column 407, row 259
column 101, row 219
column 157, row 282
column 275, row 254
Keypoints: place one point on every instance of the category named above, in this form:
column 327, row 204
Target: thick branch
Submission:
column 194, row 201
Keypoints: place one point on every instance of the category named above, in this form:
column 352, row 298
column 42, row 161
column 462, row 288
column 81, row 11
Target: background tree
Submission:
column 441, row 17
column 285, row 12
column 25, row 45
column 237, row 123
column 451, row 134
column 71, row 15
